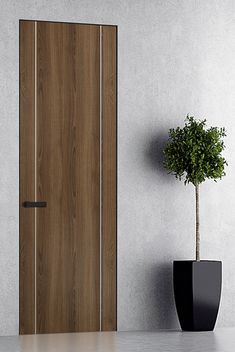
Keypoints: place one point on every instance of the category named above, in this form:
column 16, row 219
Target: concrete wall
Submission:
column 175, row 57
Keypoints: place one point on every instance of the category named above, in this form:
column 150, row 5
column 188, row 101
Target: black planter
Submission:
column 197, row 289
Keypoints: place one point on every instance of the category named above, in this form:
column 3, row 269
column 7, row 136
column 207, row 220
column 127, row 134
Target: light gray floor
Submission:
column 222, row 340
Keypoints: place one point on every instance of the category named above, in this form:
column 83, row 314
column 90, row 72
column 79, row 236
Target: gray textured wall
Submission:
column 175, row 57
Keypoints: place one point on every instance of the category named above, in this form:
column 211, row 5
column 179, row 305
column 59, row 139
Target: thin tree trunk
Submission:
column 197, row 224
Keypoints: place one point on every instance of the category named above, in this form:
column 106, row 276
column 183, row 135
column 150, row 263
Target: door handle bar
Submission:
column 29, row 204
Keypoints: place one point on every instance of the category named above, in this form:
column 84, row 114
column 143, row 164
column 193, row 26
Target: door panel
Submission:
column 68, row 230
column 109, row 160
column 69, row 236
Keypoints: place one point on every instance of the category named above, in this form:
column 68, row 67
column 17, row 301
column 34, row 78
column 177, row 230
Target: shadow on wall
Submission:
column 161, row 274
column 154, row 153
column 164, row 296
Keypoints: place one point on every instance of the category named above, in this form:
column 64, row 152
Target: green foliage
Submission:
column 194, row 152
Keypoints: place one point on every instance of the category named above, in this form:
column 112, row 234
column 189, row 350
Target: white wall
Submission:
column 175, row 57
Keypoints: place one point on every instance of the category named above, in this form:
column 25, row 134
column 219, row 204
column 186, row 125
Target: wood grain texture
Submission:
column 88, row 203
column 26, row 264
column 109, row 178
column 68, row 245
column 67, row 237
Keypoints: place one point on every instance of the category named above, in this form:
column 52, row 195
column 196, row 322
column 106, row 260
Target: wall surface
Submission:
column 175, row 57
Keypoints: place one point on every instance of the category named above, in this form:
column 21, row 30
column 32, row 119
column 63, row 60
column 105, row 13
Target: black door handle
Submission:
column 29, row 204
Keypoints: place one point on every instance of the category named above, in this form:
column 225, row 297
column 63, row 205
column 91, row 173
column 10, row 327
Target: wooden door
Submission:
column 68, row 165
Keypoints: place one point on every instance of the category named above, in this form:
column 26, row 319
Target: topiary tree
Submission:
column 193, row 153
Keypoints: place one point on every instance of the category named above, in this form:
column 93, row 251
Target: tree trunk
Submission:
column 197, row 224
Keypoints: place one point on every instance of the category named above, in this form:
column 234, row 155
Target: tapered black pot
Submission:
column 197, row 290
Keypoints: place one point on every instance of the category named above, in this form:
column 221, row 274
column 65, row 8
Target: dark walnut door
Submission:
column 67, row 177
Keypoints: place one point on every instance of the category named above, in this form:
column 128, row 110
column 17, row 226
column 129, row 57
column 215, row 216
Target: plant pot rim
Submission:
column 198, row 261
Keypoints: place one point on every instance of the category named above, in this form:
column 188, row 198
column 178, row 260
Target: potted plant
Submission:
column 193, row 154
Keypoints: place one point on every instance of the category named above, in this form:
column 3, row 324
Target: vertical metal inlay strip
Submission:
column 35, row 176
column 101, row 83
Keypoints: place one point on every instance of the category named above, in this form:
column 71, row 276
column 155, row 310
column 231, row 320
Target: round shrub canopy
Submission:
column 194, row 152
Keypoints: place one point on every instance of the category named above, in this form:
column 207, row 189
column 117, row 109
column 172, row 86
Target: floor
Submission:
column 222, row 340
